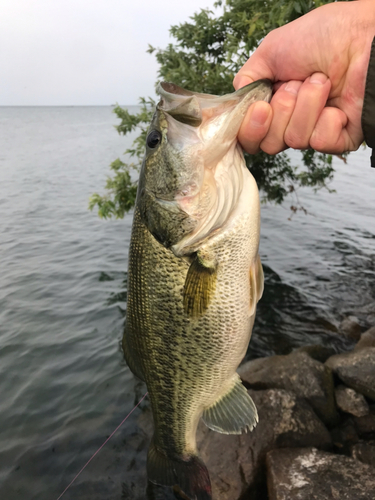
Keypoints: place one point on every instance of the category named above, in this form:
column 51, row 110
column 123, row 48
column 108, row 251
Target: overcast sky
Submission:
column 88, row 52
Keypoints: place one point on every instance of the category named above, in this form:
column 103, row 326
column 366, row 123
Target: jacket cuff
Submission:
column 368, row 112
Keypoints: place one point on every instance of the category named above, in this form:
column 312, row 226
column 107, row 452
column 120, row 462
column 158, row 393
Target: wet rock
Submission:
column 345, row 436
column 356, row 369
column 316, row 351
column 145, row 422
column 350, row 328
column 367, row 339
column 364, row 452
column 156, row 492
column 299, row 373
column 350, row 401
column 296, row 474
column 236, row 463
column 366, row 425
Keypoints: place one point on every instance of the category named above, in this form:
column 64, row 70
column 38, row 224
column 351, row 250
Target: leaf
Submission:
column 251, row 30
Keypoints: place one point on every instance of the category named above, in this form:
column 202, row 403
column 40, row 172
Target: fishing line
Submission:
column 105, row 442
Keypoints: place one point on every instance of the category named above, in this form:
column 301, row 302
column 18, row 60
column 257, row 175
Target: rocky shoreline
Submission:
column 316, row 420
column 316, row 433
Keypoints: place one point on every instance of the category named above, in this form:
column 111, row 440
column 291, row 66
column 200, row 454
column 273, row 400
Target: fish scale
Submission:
column 192, row 291
column 198, row 346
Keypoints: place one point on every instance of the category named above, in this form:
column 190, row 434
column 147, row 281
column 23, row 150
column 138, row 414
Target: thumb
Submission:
column 255, row 68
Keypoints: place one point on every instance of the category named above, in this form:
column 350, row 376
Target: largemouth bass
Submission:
column 194, row 277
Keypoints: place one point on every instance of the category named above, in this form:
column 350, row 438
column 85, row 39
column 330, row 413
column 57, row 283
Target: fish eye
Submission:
column 153, row 139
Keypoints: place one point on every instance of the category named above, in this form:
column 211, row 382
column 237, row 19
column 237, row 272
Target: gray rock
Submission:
column 350, row 401
column 145, row 422
column 236, row 463
column 356, row 369
column 316, row 351
column 367, row 340
column 366, row 425
column 309, row 474
column 350, row 328
column 364, row 452
column 299, row 373
column 345, row 436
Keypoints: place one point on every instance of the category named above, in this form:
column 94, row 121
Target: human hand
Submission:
column 319, row 65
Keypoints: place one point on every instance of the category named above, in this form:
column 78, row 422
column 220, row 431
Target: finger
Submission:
column 241, row 81
column 282, row 103
column 277, row 58
column 246, row 75
column 277, row 85
column 255, row 126
column 311, row 99
column 330, row 134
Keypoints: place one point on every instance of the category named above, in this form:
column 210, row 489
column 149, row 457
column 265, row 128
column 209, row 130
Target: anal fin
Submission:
column 233, row 412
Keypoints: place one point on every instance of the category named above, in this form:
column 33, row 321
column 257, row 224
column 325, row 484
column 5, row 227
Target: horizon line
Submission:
column 62, row 105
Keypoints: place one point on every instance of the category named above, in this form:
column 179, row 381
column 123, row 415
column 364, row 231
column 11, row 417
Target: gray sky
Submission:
column 72, row 52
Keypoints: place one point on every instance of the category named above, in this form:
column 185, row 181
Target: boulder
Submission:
column 367, row 340
column 311, row 474
column 345, row 436
column 316, row 351
column 236, row 463
column 350, row 401
column 356, row 369
column 366, row 425
column 296, row 372
column 364, row 452
column 350, row 328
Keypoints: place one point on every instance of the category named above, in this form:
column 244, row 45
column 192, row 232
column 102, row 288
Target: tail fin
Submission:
column 190, row 476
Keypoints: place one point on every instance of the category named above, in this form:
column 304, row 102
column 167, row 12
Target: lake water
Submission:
column 64, row 385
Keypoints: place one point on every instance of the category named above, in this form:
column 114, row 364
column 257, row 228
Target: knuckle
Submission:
column 294, row 140
column 319, row 142
column 251, row 147
column 271, row 147
column 285, row 103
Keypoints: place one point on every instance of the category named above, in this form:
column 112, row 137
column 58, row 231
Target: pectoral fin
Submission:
column 256, row 284
column 200, row 285
column 233, row 412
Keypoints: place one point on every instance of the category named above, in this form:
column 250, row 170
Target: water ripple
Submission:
column 63, row 381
